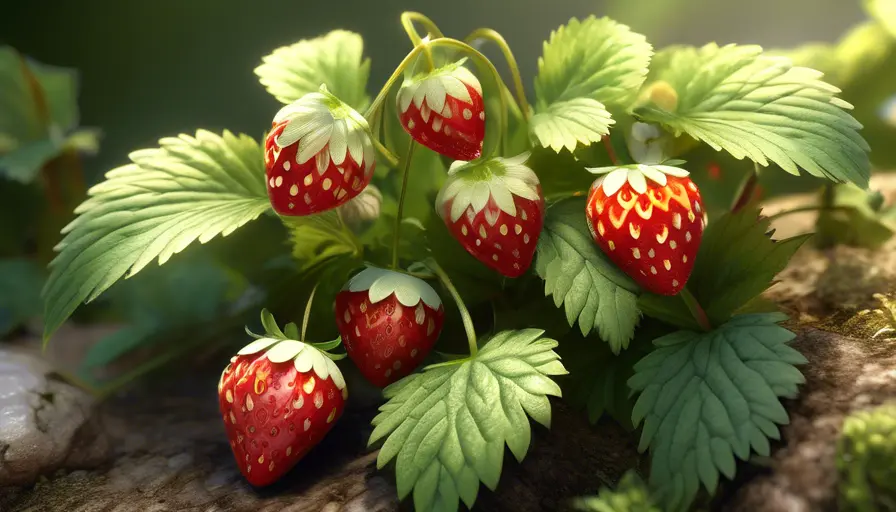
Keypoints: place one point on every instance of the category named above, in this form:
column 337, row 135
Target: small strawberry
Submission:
column 495, row 210
column 279, row 397
column 649, row 220
column 443, row 110
column 318, row 155
column 389, row 322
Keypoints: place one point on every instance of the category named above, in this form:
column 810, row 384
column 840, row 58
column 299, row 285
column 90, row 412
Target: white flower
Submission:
column 319, row 119
column 646, row 143
column 636, row 175
column 450, row 80
column 470, row 186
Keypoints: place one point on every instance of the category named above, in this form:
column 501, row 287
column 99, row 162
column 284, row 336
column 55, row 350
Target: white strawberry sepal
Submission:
column 451, row 80
column 636, row 175
column 471, row 184
column 381, row 283
column 304, row 356
column 318, row 120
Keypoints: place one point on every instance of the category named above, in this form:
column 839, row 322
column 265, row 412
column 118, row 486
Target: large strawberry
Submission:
column 318, row 155
column 444, row 111
column 649, row 220
column 495, row 210
column 389, row 322
column 279, row 397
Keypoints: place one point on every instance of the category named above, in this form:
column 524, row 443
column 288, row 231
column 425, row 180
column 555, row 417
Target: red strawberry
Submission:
column 318, row 155
column 495, row 210
column 279, row 398
column 649, row 220
column 389, row 322
column 444, row 111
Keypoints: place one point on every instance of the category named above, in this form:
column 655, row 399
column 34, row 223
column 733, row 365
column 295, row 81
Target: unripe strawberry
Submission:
column 318, row 155
column 444, row 111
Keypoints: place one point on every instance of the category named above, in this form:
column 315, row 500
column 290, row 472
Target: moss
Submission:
column 631, row 495
column 866, row 460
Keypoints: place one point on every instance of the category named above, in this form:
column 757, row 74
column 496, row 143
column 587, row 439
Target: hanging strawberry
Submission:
column 389, row 322
column 279, row 397
column 443, row 110
column 318, row 155
column 649, row 220
column 495, row 210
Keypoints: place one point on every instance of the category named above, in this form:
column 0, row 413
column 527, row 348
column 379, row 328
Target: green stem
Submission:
column 406, row 172
column 696, row 310
column 499, row 41
column 407, row 21
column 307, row 315
column 464, row 314
column 746, row 190
column 811, row 208
column 392, row 160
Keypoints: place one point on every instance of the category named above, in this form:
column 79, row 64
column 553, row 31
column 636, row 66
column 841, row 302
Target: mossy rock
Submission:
column 866, row 459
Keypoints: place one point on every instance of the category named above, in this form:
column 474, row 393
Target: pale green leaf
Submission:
column 883, row 11
column 446, row 428
column 189, row 189
column 567, row 124
column 763, row 108
column 630, row 495
column 320, row 239
column 591, row 289
column 335, row 59
column 706, row 398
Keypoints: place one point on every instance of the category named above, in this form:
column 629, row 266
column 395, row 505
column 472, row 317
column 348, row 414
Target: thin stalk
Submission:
column 499, row 41
column 388, row 155
column 406, row 172
column 407, row 21
column 747, row 190
column 307, row 316
column 610, row 151
column 811, row 208
column 696, row 310
column 464, row 314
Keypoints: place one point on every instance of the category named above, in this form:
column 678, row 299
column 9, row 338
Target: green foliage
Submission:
column 883, row 11
column 189, row 189
column 866, row 459
column 335, row 60
column 442, row 426
column 593, row 291
column 706, row 398
column 736, row 262
column 631, row 495
column 20, row 284
column 319, row 239
column 859, row 219
column 736, row 99
column 586, row 67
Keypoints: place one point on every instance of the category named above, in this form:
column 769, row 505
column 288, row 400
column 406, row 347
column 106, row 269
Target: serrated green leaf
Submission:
column 630, row 495
column 751, row 105
column 586, row 67
column 566, row 124
column 594, row 292
column 320, row 239
column 335, row 59
column 189, row 189
column 20, row 283
column 443, row 428
column 736, row 262
column 708, row 397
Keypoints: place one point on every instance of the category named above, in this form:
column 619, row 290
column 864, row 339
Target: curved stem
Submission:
column 407, row 21
column 406, row 171
column 307, row 315
column 464, row 314
column 810, row 208
column 499, row 41
column 390, row 157
column 696, row 310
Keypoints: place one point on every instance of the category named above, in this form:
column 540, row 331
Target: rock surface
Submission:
column 45, row 423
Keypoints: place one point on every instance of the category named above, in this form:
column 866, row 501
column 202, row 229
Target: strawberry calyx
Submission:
column 434, row 86
column 380, row 283
column 636, row 175
column 471, row 184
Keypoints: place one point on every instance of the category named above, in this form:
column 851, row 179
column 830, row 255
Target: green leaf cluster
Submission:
column 630, row 495
column 708, row 397
column 866, row 460
column 446, row 428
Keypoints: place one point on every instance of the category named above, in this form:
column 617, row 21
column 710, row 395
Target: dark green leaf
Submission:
column 20, row 284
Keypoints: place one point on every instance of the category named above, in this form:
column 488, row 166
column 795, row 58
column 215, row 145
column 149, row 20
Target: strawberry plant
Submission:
column 450, row 184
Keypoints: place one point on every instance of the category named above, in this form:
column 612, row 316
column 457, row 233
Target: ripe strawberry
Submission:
column 279, row 398
column 495, row 210
column 649, row 220
column 318, row 155
column 389, row 322
column 444, row 111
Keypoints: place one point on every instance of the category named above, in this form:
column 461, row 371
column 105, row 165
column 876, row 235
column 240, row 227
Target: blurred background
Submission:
column 153, row 69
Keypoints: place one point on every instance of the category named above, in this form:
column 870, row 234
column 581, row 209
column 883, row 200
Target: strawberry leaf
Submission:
column 188, row 189
column 593, row 291
column 751, row 105
column 737, row 261
column 860, row 220
column 335, row 59
column 322, row 239
column 631, row 495
column 587, row 66
column 443, row 429
column 706, row 398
